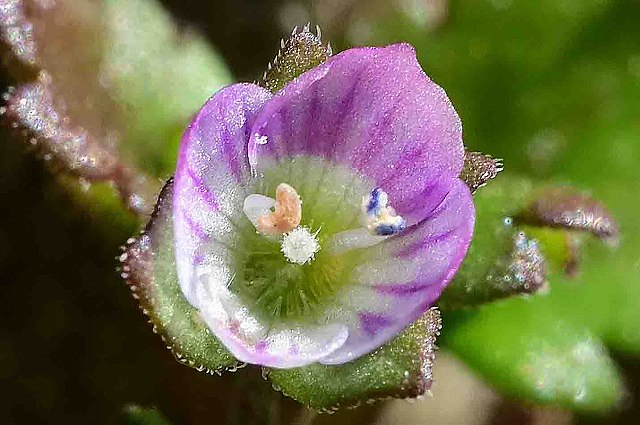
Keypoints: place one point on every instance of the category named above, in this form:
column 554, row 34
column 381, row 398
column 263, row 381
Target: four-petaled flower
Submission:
column 314, row 224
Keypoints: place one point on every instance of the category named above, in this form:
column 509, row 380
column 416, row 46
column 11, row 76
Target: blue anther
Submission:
column 385, row 229
column 374, row 205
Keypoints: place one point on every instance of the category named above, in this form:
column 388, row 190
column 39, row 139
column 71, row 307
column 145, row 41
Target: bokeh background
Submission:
column 551, row 86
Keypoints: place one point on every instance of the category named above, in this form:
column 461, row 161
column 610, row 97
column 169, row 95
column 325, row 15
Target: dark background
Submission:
column 73, row 346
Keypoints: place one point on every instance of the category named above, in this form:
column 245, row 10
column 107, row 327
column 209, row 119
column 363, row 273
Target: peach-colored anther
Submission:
column 287, row 214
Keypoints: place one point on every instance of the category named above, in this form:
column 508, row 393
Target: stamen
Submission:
column 274, row 217
column 286, row 215
column 380, row 218
column 300, row 245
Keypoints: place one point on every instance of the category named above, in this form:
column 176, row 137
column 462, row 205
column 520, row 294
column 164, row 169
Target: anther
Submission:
column 287, row 214
column 380, row 218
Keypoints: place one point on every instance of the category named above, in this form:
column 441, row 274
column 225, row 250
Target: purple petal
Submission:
column 253, row 341
column 372, row 323
column 405, row 276
column 209, row 193
column 376, row 111
column 212, row 164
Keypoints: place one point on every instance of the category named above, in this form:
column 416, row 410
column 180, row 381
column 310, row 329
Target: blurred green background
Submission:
column 553, row 87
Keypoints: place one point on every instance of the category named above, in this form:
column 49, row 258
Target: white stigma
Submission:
column 300, row 245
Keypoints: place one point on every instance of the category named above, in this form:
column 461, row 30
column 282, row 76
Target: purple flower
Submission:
column 315, row 224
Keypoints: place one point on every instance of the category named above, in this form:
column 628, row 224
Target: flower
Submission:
column 314, row 224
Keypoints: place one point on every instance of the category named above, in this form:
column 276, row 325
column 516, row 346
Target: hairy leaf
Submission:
column 502, row 260
column 148, row 266
column 566, row 208
column 72, row 118
column 141, row 79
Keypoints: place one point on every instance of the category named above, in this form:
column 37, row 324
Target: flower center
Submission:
column 287, row 269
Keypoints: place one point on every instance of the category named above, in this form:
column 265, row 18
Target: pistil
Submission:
column 300, row 245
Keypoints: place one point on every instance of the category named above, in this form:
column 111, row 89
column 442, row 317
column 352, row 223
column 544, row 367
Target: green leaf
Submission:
column 534, row 352
column 148, row 265
column 136, row 415
column 401, row 368
column 161, row 75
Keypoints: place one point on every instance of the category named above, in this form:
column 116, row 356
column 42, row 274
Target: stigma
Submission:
column 300, row 245
column 379, row 217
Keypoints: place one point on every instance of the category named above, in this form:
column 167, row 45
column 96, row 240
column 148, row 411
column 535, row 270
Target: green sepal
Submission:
column 401, row 369
column 149, row 267
column 301, row 52
column 478, row 169
column 502, row 260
